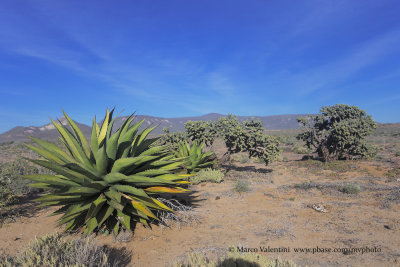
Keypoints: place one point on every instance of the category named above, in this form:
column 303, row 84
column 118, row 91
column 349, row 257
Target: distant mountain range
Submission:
column 48, row 131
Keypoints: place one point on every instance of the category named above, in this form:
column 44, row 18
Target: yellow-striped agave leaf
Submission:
column 110, row 181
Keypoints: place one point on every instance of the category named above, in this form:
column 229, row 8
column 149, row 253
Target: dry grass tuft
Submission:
column 54, row 250
column 183, row 215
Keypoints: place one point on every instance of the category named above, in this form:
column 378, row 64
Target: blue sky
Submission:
column 185, row 58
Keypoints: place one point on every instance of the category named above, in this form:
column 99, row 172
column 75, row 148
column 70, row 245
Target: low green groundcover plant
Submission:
column 351, row 189
column 208, row 175
column 241, row 186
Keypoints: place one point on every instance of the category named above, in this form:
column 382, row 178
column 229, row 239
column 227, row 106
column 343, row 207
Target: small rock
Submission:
column 318, row 207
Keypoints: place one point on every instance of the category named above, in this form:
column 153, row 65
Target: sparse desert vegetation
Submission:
column 241, row 186
column 226, row 195
column 54, row 250
column 199, row 133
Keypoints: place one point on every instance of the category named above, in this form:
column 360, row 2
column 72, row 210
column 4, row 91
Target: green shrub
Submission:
column 350, row 189
column 304, row 185
column 11, row 185
column 10, row 175
column 171, row 140
column 53, row 250
column 247, row 136
column 7, row 196
column 339, row 132
column 233, row 259
column 202, row 131
column 397, row 154
column 208, row 175
column 13, row 189
column 241, row 186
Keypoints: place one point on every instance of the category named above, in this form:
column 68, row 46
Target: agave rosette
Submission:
column 110, row 183
column 194, row 157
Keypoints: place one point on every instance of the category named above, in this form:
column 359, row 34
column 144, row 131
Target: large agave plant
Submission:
column 195, row 158
column 110, row 183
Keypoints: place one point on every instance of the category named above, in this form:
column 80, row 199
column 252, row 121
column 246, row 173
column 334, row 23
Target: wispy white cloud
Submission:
column 197, row 84
column 154, row 83
column 154, row 77
column 331, row 74
column 221, row 84
column 62, row 57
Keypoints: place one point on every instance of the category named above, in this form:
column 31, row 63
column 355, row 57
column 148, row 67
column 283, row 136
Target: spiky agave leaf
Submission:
column 109, row 182
column 194, row 157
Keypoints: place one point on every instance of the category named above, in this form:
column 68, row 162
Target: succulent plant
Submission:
column 195, row 158
column 339, row 132
column 169, row 139
column 202, row 131
column 248, row 136
column 109, row 184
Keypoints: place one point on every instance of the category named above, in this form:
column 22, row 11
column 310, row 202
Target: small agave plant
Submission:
column 110, row 183
column 194, row 157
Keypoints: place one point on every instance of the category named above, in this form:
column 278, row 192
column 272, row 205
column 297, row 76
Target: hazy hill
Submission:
column 47, row 132
column 20, row 133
